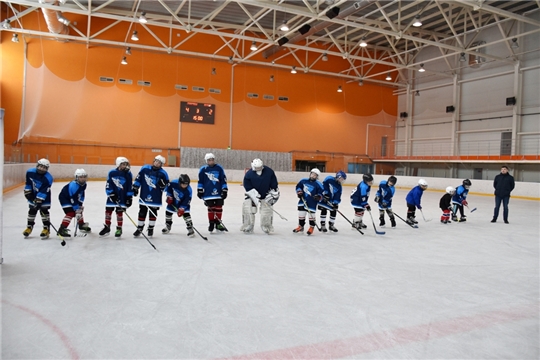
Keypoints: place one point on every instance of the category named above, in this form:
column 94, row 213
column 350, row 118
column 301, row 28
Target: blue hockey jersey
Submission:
column 40, row 185
column 212, row 180
column 119, row 183
column 152, row 182
column 414, row 197
column 310, row 189
column 333, row 190
column 360, row 195
column 262, row 183
column 72, row 195
column 385, row 193
column 460, row 195
column 181, row 197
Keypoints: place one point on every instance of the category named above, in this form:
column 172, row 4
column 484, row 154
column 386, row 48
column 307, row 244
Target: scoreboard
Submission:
column 198, row 113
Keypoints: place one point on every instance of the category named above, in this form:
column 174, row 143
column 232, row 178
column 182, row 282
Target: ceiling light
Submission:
column 142, row 18
column 324, row 57
column 135, row 36
column 417, row 22
column 339, row 89
column 421, row 68
column 515, row 44
column 15, row 38
column 6, row 24
column 124, row 61
column 284, row 26
column 214, row 71
column 293, row 70
column 361, row 82
column 230, row 60
column 388, row 77
column 271, row 78
column 363, row 42
column 417, row 93
column 253, row 46
column 128, row 50
column 462, row 57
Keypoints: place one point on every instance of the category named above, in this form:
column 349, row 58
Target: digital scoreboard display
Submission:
column 198, row 113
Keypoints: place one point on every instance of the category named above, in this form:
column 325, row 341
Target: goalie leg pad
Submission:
column 248, row 216
column 267, row 217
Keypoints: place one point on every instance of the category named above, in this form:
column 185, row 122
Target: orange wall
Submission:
column 65, row 102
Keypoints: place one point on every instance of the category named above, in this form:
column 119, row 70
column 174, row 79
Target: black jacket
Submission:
column 503, row 184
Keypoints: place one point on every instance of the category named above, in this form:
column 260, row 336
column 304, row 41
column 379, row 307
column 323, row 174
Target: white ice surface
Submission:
column 459, row 291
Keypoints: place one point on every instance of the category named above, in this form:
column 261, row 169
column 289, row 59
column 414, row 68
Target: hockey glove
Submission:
column 170, row 200
column 377, row 199
column 37, row 203
column 317, row 197
column 419, row 207
column 114, row 198
column 326, row 198
column 180, row 212
column 129, row 201
column 29, row 195
column 300, row 194
column 335, row 206
column 224, row 193
column 162, row 184
column 254, row 195
column 200, row 193
column 135, row 191
column 464, row 203
column 78, row 213
column 272, row 197
column 384, row 204
column 367, row 207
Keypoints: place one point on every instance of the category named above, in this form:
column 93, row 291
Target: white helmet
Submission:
column 450, row 190
column 316, row 171
column 120, row 160
column 44, row 162
column 80, row 173
column 161, row 159
column 209, row 156
column 257, row 165
column 422, row 182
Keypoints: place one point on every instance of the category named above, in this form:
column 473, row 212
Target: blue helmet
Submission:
column 341, row 174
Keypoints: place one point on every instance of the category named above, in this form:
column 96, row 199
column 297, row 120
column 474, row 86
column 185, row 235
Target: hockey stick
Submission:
column 426, row 220
column 76, row 223
column 63, row 243
column 314, row 217
column 219, row 220
column 149, row 209
column 193, row 227
column 350, row 222
column 271, row 207
column 133, row 222
column 414, row 226
column 378, row 232
column 473, row 210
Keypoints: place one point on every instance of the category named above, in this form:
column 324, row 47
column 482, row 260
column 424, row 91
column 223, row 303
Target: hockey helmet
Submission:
column 81, row 175
column 422, row 183
column 257, row 165
column 121, row 160
column 43, row 163
column 341, row 174
column 467, row 182
column 161, row 159
column 367, row 178
column 184, row 179
column 450, row 190
column 208, row 157
column 392, row 179
column 316, row 172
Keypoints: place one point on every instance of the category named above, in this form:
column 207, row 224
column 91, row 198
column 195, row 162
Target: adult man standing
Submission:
column 503, row 184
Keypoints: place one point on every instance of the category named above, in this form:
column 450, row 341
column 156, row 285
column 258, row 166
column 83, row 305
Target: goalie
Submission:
column 262, row 192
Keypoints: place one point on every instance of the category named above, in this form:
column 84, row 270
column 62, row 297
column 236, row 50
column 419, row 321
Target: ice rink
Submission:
column 459, row 291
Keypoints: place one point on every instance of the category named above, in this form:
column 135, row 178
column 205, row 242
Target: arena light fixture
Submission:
column 142, row 18
column 135, row 36
column 124, row 61
column 388, row 77
column 421, row 68
column 15, row 38
column 293, row 70
column 363, row 42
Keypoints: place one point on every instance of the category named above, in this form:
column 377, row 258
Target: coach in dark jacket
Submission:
column 503, row 184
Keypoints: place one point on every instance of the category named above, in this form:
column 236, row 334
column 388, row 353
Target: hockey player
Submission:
column 309, row 191
column 459, row 200
column 331, row 199
column 446, row 205
column 212, row 189
column 37, row 191
column 383, row 197
column 119, row 195
column 72, row 199
column 151, row 181
column 359, row 200
column 414, row 201
column 261, row 187
column 179, row 195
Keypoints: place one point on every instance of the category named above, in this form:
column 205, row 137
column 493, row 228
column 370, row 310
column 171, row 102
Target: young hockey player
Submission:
column 331, row 199
column 446, row 205
column 212, row 189
column 261, row 187
column 414, row 201
column 309, row 191
column 178, row 201
column 37, row 191
column 459, row 200
column 72, row 199
column 359, row 200
column 383, row 197
column 119, row 195
column 151, row 181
